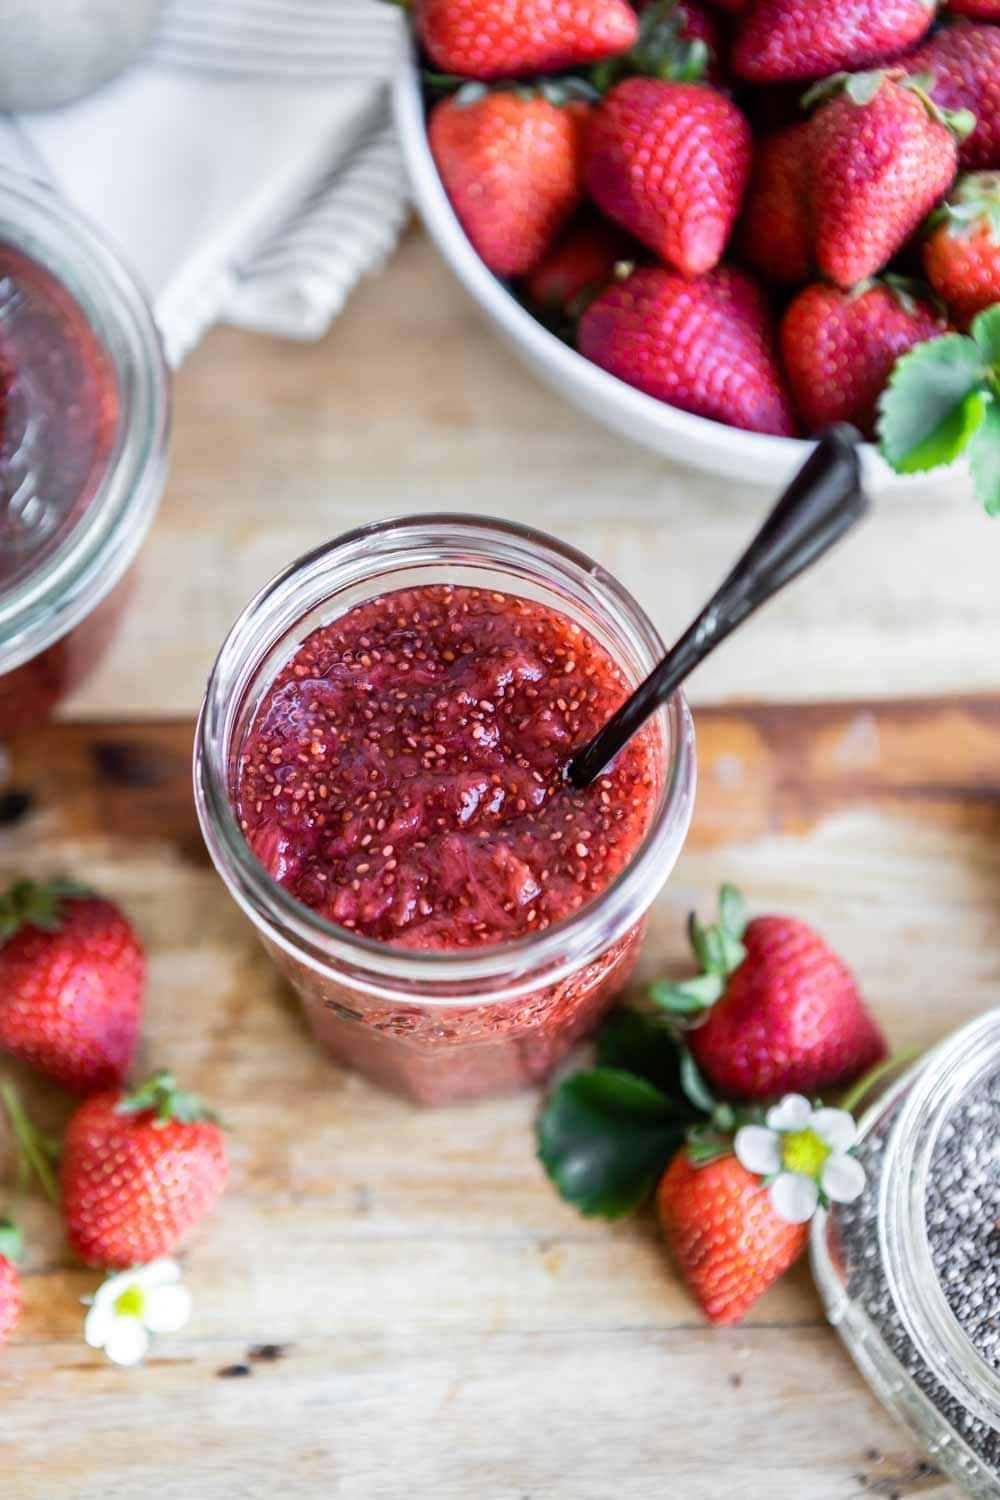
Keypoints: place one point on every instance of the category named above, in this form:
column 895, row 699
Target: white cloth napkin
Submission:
column 245, row 167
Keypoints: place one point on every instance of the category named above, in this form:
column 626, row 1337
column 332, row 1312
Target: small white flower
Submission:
column 805, row 1153
column 128, row 1307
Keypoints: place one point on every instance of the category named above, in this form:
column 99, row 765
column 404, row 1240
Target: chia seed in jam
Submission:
column 403, row 775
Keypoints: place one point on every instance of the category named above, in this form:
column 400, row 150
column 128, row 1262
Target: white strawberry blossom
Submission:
column 130, row 1306
column 805, row 1155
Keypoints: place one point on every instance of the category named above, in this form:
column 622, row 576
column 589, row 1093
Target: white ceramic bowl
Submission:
column 748, row 457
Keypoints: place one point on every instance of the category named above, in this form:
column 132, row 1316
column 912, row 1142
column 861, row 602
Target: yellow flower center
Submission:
column 131, row 1302
column 803, row 1151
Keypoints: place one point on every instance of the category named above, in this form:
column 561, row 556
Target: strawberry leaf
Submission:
column 933, row 403
column 11, row 1243
column 984, row 459
column 689, row 998
column 605, row 1138
column 641, row 1044
column 986, row 333
column 696, row 1090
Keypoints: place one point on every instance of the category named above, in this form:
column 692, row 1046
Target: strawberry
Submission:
column 805, row 39
column 883, row 156
column 706, row 346
column 980, row 10
column 511, row 165
column 962, row 251
column 72, row 972
column 513, row 38
column 579, row 265
column 963, row 62
column 670, row 163
column 138, row 1171
column 729, row 1243
column 10, row 1280
column 781, row 1013
column 839, row 348
column 775, row 231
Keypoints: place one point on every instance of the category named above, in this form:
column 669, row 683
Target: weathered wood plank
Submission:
column 457, row 1330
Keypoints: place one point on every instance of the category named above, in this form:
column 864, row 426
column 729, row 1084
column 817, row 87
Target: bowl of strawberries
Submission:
column 717, row 226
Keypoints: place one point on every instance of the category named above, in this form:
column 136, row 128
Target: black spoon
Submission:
column 823, row 501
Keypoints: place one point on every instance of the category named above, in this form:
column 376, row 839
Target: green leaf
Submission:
column 933, row 403
column 984, row 460
column 733, row 911
column 861, row 88
column 605, row 1138
column 641, row 1044
column 694, row 1086
column 160, row 1096
column 986, row 333
column 706, row 1145
column 689, row 998
column 11, row 1243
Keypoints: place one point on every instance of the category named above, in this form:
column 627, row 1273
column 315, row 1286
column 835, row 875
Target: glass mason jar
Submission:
column 441, row 1026
column 84, row 417
column 881, row 1287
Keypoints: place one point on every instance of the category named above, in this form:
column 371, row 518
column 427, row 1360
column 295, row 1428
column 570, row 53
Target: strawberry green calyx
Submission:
column 861, row 89
column 34, row 1152
column 661, row 51
column 160, row 1096
column 11, row 1241
column 973, row 203
column 556, row 91
column 36, row 904
column 719, row 950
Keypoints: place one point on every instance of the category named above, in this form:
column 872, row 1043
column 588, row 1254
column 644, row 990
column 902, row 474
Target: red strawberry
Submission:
column 981, row 10
column 806, row 39
column 962, row 253
column 964, row 64
column 729, row 1243
column 706, row 345
column 783, row 1013
column 512, row 38
column 670, row 163
column 138, row 1171
column 10, row 1280
column 839, row 348
column 881, row 161
column 578, row 266
column 511, row 166
column 71, row 979
column 775, row 232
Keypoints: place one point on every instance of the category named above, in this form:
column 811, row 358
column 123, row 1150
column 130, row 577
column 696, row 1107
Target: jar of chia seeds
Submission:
column 910, row 1272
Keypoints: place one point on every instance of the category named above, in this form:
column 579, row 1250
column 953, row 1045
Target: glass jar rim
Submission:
column 84, row 566
column 939, row 1082
column 301, row 931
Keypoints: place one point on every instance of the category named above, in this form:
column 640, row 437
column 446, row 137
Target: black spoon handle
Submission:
column 823, row 501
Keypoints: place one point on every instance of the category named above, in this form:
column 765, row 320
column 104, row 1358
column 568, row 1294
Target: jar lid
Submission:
column 84, row 417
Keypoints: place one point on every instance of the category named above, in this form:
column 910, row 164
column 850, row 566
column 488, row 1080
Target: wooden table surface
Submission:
column 449, row 1328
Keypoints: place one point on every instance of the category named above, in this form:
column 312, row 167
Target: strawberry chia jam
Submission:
column 404, row 774
column 83, row 412
column 379, row 775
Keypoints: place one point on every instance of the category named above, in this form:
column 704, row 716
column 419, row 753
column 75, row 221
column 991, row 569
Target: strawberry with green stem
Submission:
column 883, row 155
column 962, row 248
column 839, row 348
column 943, row 401
column 774, row 1010
column 734, row 1186
column 138, row 1171
column 72, row 973
column 511, row 162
